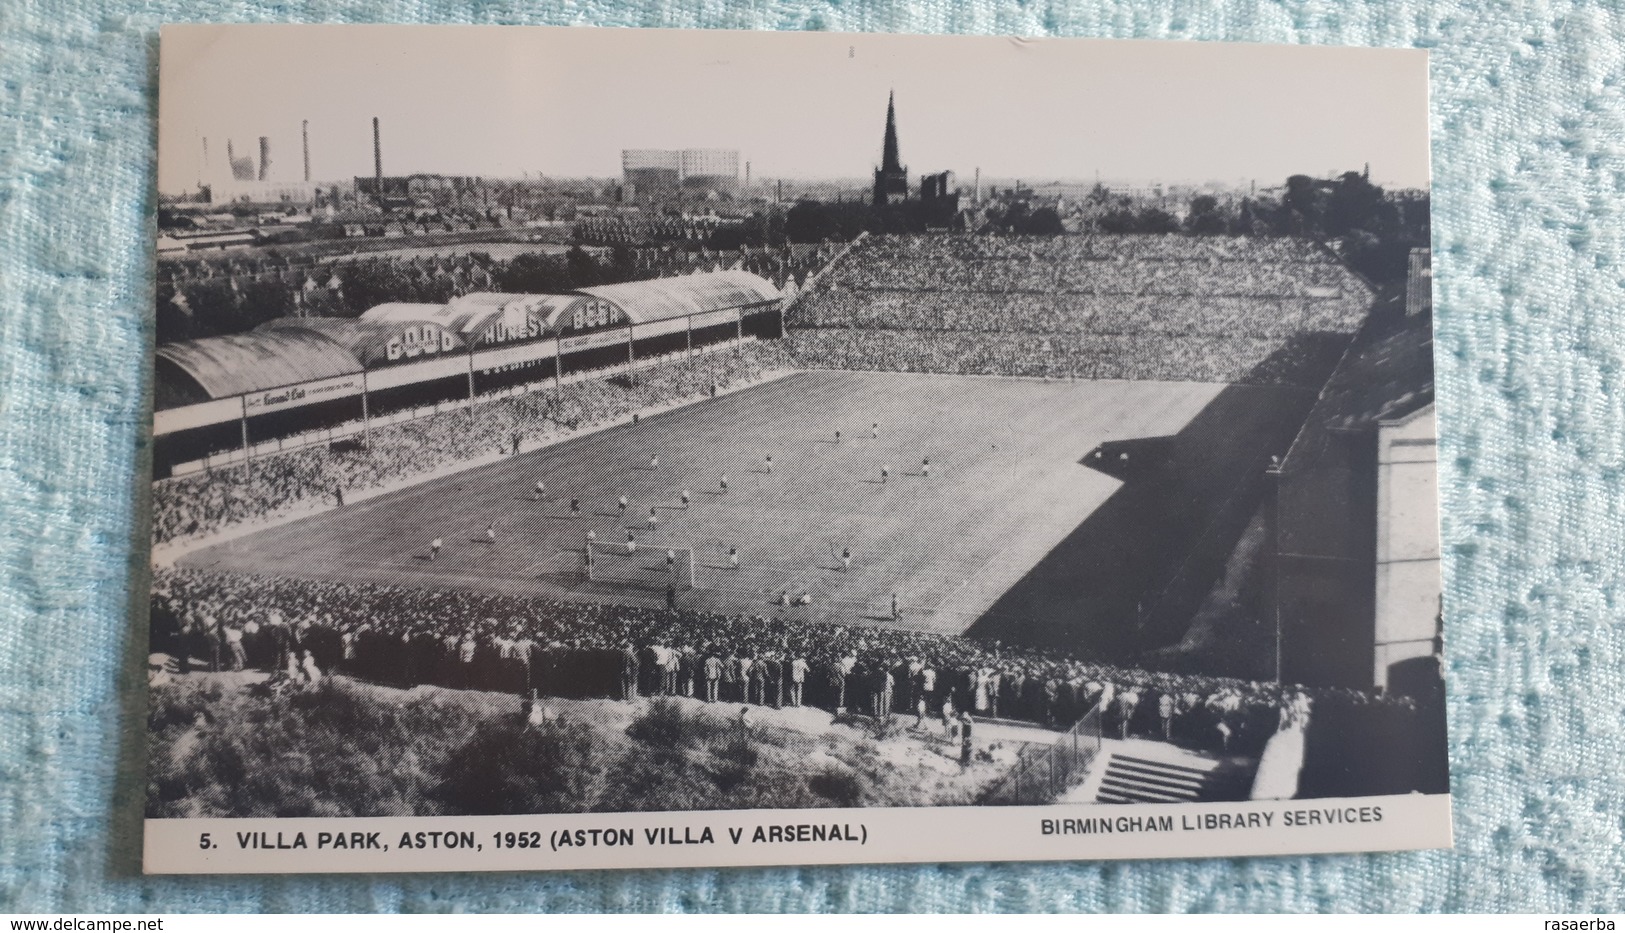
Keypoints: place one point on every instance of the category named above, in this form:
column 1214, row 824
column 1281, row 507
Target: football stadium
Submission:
column 1060, row 483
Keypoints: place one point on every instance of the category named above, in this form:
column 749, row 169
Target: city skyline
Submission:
column 1178, row 113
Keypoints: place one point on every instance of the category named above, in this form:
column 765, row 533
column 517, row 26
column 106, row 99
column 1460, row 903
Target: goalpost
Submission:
column 648, row 565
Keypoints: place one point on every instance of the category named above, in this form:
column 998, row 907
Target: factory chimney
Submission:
column 265, row 157
column 304, row 138
column 747, row 178
column 978, row 199
column 377, row 164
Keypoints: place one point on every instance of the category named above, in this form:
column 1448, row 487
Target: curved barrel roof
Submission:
column 369, row 341
column 660, row 299
column 404, row 312
column 243, row 363
column 475, row 311
column 292, row 350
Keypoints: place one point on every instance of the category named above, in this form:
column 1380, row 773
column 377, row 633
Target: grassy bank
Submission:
column 224, row 746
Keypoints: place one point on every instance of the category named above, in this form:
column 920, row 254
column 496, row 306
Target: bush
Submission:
column 735, row 762
column 667, row 725
column 838, row 786
column 510, row 767
column 339, row 750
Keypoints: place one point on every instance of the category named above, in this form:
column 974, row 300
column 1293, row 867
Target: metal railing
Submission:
column 1044, row 772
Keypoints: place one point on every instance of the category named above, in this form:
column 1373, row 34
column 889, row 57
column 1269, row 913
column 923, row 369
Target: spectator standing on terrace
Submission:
column 629, row 671
column 798, row 679
column 733, row 676
column 713, row 674
column 883, row 691
column 234, row 641
column 312, row 673
column 965, row 745
column 687, row 666
column 837, row 686
column 774, row 678
column 338, row 496
column 1127, row 700
column 750, row 676
column 668, row 654
column 516, row 443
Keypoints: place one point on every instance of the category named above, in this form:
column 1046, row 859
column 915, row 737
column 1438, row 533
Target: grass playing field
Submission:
column 1027, row 528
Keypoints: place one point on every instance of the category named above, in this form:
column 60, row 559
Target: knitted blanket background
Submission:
column 1529, row 183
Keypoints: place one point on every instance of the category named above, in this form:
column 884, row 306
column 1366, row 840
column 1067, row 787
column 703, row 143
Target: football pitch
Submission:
column 1051, row 509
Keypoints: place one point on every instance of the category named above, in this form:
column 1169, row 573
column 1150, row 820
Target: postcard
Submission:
column 582, row 448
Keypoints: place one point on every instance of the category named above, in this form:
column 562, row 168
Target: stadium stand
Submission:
column 206, row 502
column 293, row 380
column 1208, row 309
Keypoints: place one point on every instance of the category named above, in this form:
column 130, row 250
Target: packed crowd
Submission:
column 1240, row 360
column 1102, row 264
column 994, row 313
column 1100, row 247
column 1174, row 277
column 206, row 502
column 1210, row 309
column 301, row 631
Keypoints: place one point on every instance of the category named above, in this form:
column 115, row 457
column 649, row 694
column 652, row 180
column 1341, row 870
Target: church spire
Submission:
column 889, row 160
column 891, row 178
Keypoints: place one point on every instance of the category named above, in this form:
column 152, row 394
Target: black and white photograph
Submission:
column 594, row 448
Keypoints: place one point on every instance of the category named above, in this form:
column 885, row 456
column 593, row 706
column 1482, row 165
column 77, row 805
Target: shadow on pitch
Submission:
column 1131, row 575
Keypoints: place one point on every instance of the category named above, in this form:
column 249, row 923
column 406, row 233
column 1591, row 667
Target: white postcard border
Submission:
column 707, row 839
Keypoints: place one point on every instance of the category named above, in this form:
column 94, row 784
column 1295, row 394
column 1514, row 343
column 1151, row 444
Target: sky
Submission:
column 516, row 101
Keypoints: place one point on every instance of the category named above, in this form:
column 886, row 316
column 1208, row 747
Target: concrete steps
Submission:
column 1133, row 779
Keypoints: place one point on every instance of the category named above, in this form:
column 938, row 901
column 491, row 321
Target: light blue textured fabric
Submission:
column 1529, row 172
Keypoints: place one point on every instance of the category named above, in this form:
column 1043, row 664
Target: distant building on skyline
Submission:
column 940, row 195
column 650, row 174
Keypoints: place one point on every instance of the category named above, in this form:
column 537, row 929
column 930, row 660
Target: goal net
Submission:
column 648, row 565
